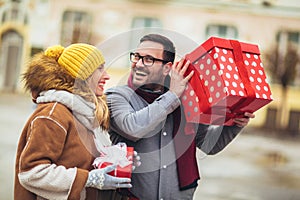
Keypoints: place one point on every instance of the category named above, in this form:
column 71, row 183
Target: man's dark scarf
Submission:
column 185, row 146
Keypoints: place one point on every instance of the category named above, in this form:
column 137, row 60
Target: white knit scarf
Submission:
column 83, row 110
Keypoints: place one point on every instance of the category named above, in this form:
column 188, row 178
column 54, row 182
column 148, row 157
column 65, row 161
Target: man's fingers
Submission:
column 241, row 122
column 185, row 66
column 179, row 65
column 249, row 115
column 189, row 76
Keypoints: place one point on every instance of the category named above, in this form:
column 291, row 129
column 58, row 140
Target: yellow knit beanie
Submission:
column 79, row 59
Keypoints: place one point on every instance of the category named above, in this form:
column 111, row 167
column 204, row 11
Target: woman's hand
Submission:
column 100, row 179
column 136, row 160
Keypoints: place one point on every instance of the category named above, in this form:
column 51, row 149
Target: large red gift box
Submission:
column 122, row 172
column 229, row 80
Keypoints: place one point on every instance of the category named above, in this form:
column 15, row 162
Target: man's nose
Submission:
column 140, row 63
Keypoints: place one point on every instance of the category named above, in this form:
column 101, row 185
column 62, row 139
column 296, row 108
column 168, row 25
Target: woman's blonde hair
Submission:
column 82, row 89
column 44, row 73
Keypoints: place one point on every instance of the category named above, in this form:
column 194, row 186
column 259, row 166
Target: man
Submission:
column 146, row 114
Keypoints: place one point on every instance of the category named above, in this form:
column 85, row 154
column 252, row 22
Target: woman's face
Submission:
column 97, row 80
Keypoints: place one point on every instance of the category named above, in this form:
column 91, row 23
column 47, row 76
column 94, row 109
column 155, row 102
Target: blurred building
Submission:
column 29, row 26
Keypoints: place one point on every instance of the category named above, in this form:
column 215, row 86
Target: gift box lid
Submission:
column 221, row 43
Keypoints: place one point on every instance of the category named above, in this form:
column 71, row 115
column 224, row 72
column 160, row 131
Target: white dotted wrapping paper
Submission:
column 217, row 90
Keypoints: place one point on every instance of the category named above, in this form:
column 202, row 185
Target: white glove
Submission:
column 99, row 178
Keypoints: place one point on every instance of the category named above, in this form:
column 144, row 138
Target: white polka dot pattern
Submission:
column 221, row 79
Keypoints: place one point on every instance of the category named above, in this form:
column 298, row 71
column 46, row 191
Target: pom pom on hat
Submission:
column 54, row 51
column 80, row 59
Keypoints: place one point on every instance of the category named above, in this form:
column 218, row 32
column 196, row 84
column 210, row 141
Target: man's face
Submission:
column 147, row 75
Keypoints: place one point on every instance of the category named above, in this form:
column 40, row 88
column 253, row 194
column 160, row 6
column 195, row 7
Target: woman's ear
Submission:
column 167, row 68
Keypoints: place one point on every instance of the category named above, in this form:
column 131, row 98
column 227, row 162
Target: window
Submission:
column 4, row 17
column 10, row 59
column 143, row 26
column 221, row 31
column 294, row 37
column 286, row 40
column 76, row 27
column 284, row 37
column 294, row 122
column 140, row 22
column 13, row 12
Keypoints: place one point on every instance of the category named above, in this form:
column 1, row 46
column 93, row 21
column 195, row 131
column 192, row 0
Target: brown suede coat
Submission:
column 55, row 151
column 53, row 135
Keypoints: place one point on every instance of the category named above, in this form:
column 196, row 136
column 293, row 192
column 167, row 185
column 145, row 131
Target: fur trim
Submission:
column 44, row 73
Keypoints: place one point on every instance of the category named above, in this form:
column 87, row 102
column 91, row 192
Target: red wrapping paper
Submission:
column 122, row 172
column 229, row 80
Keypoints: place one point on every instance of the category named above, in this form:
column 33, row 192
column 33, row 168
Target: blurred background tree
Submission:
column 282, row 64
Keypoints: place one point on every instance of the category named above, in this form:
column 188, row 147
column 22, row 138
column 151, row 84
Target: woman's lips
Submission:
column 101, row 85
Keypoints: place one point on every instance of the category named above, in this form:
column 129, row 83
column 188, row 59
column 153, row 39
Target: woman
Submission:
column 68, row 128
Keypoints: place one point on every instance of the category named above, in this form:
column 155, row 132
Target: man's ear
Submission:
column 167, row 68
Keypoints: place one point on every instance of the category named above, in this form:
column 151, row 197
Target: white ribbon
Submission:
column 116, row 155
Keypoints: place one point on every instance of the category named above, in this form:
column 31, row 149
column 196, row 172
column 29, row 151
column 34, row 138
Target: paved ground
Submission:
column 253, row 167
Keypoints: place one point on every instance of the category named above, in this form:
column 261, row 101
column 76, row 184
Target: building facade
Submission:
column 29, row 26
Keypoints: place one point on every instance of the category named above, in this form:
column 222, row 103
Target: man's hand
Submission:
column 243, row 121
column 178, row 81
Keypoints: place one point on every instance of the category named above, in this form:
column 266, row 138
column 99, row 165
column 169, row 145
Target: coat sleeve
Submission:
column 38, row 172
column 213, row 139
column 135, row 123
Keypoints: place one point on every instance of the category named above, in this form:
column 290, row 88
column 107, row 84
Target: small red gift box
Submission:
column 120, row 171
column 229, row 80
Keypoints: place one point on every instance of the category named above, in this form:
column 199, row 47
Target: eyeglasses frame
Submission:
column 142, row 57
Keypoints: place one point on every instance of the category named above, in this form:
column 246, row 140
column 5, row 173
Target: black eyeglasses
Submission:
column 147, row 60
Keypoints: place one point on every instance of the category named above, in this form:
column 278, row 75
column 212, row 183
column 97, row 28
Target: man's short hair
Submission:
column 169, row 48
